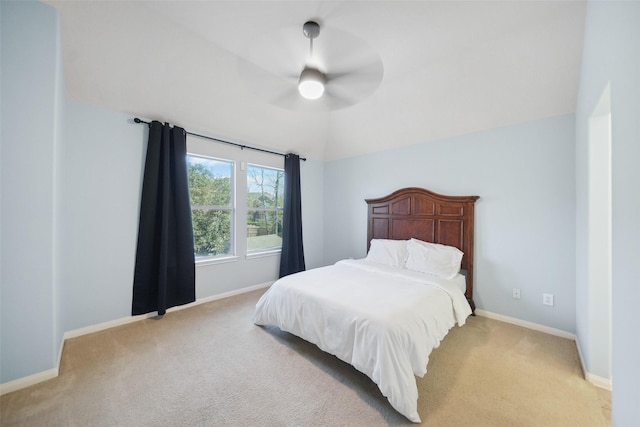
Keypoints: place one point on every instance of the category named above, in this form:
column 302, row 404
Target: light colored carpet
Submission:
column 209, row 365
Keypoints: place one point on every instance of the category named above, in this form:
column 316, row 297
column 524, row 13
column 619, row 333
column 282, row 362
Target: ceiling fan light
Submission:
column 311, row 83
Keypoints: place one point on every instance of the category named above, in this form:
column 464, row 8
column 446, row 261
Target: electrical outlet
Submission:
column 516, row 293
column 547, row 299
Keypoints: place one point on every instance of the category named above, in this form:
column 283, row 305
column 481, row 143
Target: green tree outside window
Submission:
column 210, row 192
column 265, row 203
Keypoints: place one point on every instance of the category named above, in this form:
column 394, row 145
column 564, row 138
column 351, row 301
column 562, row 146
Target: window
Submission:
column 265, row 203
column 212, row 213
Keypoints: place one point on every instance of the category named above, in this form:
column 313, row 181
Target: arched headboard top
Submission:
column 418, row 213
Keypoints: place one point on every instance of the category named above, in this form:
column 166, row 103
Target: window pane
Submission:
column 211, row 232
column 265, row 187
column 265, row 199
column 264, row 230
column 210, row 192
column 209, row 181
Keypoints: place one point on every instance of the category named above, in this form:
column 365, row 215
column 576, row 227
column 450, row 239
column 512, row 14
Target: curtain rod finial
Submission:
column 137, row 120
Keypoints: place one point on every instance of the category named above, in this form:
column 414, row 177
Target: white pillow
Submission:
column 389, row 252
column 432, row 258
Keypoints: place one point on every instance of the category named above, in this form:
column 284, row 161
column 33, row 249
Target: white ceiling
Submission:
column 217, row 67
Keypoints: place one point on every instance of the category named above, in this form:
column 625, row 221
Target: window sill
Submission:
column 212, row 261
column 263, row 254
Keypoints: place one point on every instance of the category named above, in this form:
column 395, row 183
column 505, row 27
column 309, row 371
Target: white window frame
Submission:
column 257, row 253
column 199, row 146
column 231, row 256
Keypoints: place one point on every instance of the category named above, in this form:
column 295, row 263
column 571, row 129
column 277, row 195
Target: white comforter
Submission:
column 382, row 320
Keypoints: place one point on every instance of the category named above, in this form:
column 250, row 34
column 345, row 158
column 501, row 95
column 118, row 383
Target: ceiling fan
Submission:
column 339, row 72
column 312, row 81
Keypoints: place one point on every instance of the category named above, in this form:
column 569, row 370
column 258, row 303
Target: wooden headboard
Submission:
column 427, row 216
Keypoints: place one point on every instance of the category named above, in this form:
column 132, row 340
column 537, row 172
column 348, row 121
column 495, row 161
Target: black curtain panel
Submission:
column 292, row 257
column 164, row 273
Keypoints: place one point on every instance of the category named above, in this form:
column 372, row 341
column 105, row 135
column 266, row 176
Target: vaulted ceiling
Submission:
column 229, row 68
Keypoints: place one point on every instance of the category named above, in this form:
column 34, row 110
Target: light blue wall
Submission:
column 311, row 183
column 593, row 193
column 71, row 173
column 101, row 164
column 59, row 124
column 525, row 233
column 31, row 87
column 612, row 56
column 71, row 180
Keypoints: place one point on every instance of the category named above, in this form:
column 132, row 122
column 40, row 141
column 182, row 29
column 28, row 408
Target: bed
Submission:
column 385, row 313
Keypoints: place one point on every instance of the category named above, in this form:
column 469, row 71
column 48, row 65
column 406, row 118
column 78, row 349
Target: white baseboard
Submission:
column 104, row 326
column 30, row 380
column 25, row 382
column 224, row 295
column 126, row 320
column 593, row 379
column 526, row 324
column 596, row 380
column 39, row 377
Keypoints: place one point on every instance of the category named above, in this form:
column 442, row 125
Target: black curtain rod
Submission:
column 241, row 146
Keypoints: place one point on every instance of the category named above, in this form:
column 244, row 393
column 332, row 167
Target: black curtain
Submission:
column 164, row 274
column 292, row 257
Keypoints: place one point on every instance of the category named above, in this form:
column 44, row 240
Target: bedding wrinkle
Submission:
column 384, row 321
